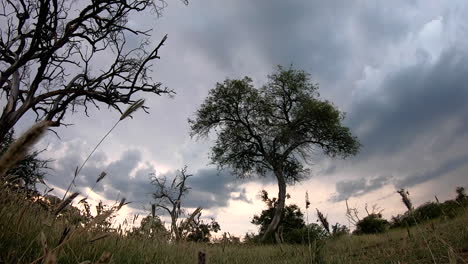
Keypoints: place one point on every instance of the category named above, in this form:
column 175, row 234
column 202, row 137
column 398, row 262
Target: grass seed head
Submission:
column 131, row 109
column 19, row 149
column 405, row 198
column 65, row 202
column 101, row 176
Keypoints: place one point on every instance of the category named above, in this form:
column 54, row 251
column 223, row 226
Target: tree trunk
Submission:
column 273, row 226
column 174, row 229
column 9, row 118
column 5, row 127
column 9, row 115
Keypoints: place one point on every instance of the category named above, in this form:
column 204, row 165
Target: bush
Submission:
column 372, row 224
column 430, row 210
column 339, row 230
column 311, row 232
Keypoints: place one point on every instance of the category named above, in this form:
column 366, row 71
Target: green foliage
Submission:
column 309, row 233
column 293, row 227
column 262, row 128
column 432, row 210
column 427, row 211
column 371, row 224
column 292, row 217
column 201, row 232
column 150, row 228
column 30, row 170
column 272, row 129
column 20, row 236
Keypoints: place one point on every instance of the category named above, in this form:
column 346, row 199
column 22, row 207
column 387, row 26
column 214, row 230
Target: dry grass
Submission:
column 27, row 236
column 34, row 233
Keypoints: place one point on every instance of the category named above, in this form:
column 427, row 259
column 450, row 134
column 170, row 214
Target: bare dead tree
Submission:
column 352, row 214
column 375, row 210
column 169, row 196
column 51, row 54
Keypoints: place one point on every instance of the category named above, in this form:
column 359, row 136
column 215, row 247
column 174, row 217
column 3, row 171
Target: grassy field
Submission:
column 29, row 234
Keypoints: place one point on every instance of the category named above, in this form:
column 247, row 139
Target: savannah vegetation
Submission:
column 47, row 49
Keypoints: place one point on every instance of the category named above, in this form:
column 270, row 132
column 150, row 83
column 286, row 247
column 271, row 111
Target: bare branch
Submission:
column 48, row 51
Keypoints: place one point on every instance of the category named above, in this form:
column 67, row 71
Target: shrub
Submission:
column 311, row 232
column 371, row 224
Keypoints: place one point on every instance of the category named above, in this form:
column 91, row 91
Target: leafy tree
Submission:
column 150, row 227
column 275, row 128
column 29, row 170
column 372, row 224
column 50, row 52
column 201, row 232
column 432, row 210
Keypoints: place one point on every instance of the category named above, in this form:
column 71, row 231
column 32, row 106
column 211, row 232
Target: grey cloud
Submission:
column 279, row 33
column 242, row 196
column 447, row 167
column 213, row 188
column 355, row 188
column 129, row 177
column 418, row 99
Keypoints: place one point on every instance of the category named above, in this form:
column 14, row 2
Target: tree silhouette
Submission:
column 51, row 53
column 275, row 128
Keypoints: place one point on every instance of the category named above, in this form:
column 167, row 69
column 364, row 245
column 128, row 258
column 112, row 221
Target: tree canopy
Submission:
column 275, row 128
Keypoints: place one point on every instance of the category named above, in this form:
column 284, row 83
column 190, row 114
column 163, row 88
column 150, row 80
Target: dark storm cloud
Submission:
column 279, row 32
column 129, row 177
column 213, row 188
column 416, row 100
column 419, row 101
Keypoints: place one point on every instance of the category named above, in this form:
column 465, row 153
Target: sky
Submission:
column 399, row 69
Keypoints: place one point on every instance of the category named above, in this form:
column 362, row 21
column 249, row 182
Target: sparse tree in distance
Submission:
column 169, row 198
column 150, row 227
column 51, row 53
column 199, row 231
column 275, row 128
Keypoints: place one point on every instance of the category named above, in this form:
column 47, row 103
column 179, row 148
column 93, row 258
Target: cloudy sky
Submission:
column 399, row 69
